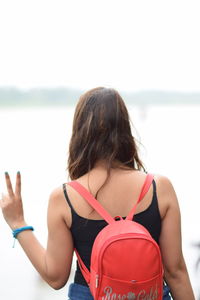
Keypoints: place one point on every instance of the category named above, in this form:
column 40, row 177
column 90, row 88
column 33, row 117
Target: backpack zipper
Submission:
column 97, row 281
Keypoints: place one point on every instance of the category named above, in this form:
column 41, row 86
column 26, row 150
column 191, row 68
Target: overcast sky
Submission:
column 126, row 44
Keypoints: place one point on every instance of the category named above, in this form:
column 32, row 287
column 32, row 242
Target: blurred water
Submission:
column 35, row 141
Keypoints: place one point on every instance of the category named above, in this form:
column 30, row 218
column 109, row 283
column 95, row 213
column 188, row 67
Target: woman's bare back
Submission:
column 117, row 196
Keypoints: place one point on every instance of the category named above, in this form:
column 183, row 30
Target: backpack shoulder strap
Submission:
column 85, row 272
column 144, row 190
column 92, row 201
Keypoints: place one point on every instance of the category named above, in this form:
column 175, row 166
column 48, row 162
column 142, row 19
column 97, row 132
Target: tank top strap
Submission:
column 154, row 203
column 67, row 198
column 154, row 187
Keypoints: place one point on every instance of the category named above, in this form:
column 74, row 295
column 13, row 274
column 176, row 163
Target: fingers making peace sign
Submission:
column 11, row 204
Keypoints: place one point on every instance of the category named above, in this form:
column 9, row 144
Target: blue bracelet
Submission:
column 15, row 232
column 18, row 230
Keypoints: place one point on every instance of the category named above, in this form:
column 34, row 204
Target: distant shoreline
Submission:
column 13, row 97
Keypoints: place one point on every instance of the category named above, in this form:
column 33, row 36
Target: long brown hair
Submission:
column 101, row 131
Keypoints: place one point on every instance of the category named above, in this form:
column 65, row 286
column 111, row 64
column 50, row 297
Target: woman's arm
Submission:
column 53, row 263
column 175, row 271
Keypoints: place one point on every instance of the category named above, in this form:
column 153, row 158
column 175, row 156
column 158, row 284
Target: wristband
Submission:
column 15, row 232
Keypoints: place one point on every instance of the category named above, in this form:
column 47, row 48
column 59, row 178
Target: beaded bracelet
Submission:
column 15, row 232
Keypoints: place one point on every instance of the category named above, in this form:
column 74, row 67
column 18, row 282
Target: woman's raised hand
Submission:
column 11, row 204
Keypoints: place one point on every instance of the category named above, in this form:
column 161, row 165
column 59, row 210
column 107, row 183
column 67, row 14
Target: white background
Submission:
column 126, row 44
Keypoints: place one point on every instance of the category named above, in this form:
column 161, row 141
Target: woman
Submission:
column 102, row 157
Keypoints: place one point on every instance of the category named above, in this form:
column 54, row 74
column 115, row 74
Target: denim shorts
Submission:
column 82, row 292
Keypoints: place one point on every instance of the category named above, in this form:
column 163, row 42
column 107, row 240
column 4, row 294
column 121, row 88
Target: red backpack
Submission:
column 125, row 261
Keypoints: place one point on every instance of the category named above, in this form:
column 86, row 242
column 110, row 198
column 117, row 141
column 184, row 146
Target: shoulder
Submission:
column 56, row 196
column 163, row 183
column 165, row 193
column 58, row 205
column 56, row 193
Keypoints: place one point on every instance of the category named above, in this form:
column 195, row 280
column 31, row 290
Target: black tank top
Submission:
column 84, row 231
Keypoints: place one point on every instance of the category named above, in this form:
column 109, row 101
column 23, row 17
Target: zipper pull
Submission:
column 133, row 281
column 97, row 281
